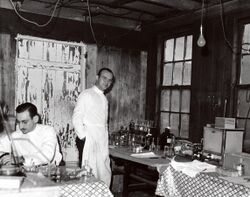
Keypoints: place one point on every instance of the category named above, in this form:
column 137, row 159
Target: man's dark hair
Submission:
column 107, row 69
column 31, row 108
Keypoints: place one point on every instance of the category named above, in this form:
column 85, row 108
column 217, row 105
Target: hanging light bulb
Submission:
column 201, row 42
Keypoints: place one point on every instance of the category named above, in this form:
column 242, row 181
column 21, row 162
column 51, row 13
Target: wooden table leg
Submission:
column 126, row 179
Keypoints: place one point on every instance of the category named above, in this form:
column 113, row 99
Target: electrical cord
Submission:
column 113, row 13
column 223, row 26
column 248, row 112
column 90, row 23
column 33, row 22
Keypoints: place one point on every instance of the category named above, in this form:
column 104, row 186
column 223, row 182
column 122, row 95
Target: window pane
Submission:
column 179, row 49
column 169, row 50
column 165, row 100
column 175, row 101
column 243, row 103
column 246, row 39
column 187, row 73
column 184, row 125
column 240, row 123
column 167, row 74
column 185, row 101
column 36, row 50
column 164, row 122
column 177, row 74
column 245, row 70
column 189, row 46
column 174, row 124
column 23, row 49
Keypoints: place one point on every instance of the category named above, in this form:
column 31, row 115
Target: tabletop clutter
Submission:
column 139, row 137
column 54, row 173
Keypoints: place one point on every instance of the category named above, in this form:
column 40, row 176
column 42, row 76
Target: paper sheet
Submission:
column 193, row 168
column 145, row 155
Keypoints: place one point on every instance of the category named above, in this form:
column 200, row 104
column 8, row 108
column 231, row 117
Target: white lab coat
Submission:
column 90, row 121
column 42, row 139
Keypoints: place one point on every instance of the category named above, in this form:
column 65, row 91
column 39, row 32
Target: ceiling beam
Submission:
column 173, row 4
column 158, row 3
column 121, row 2
column 98, row 13
column 176, row 4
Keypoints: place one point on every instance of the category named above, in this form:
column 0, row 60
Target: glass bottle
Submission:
column 152, row 146
column 133, row 143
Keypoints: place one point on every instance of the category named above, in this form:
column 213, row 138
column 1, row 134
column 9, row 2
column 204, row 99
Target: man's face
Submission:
column 104, row 80
column 25, row 122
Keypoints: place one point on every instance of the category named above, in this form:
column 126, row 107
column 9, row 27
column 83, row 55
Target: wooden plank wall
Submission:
column 128, row 96
column 7, row 70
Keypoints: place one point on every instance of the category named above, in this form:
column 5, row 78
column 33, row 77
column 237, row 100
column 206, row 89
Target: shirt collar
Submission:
column 97, row 89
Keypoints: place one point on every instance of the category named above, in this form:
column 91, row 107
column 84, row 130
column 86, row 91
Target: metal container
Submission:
column 9, row 170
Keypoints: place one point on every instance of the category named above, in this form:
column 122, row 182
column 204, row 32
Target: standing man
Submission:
column 90, row 122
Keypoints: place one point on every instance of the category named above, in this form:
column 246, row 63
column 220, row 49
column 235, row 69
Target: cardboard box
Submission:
column 219, row 141
column 10, row 182
column 225, row 123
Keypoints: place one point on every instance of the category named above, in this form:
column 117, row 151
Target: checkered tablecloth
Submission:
column 89, row 188
column 177, row 184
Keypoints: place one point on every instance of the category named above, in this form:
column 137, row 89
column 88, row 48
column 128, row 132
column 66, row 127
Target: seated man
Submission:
column 35, row 142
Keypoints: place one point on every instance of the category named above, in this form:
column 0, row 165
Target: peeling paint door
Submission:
column 49, row 74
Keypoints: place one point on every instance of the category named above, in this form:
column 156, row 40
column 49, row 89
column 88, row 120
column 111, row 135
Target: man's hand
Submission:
column 5, row 159
column 17, row 160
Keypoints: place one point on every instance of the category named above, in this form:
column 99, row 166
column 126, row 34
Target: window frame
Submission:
column 176, row 87
column 239, row 87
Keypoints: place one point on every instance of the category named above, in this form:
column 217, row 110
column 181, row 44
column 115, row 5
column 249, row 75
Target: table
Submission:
column 87, row 188
column 177, row 184
column 35, row 186
column 132, row 164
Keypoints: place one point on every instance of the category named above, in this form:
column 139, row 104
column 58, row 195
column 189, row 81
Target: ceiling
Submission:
column 130, row 14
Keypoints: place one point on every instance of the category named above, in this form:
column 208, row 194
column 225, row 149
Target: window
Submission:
column 176, row 85
column 243, row 88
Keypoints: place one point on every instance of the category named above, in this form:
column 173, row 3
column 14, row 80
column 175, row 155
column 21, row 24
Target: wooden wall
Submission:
column 7, row 74
column 127, row 98
column 211, row 77
column 123, row 54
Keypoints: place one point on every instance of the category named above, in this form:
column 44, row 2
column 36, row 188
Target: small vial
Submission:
column 240, row 167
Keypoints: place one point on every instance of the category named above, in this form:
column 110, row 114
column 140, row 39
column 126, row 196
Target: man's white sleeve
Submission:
column 78, row 115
